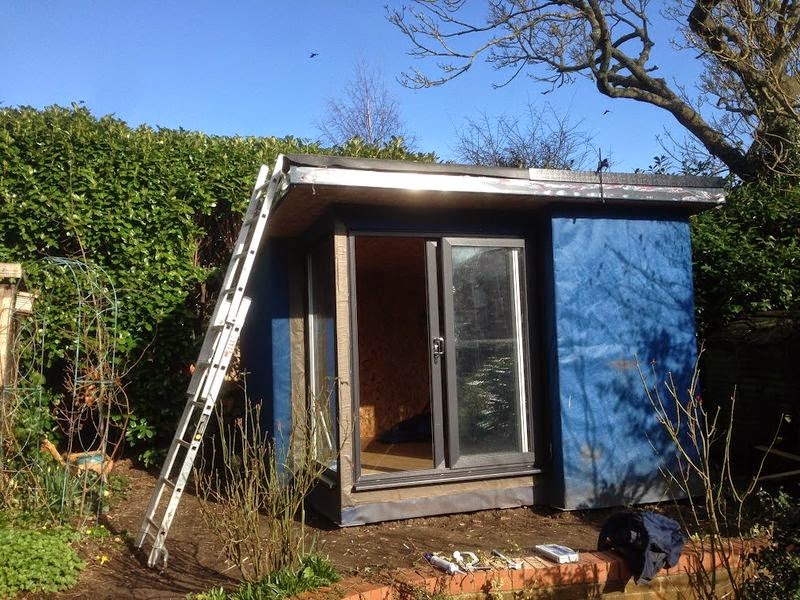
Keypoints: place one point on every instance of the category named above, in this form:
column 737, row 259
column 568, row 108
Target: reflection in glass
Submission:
column 488, row 343
column 322, row 343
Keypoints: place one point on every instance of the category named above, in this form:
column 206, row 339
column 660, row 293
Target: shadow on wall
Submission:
column 623, row 292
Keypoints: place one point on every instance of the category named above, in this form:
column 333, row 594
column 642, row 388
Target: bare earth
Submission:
column 115, row 570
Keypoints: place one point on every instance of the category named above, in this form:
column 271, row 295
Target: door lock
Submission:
column 437, row 348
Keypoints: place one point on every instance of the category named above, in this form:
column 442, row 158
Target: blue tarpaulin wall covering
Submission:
column 265, row 344
column 620, row 289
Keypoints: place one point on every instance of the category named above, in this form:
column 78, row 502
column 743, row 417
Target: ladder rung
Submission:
column 169, row 482
column 254, row 218
column 183, row 443
column 232, row 290
column 263, row 186
column 238, row 255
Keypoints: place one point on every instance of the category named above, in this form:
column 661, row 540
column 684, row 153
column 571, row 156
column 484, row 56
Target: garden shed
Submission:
column 465, row 338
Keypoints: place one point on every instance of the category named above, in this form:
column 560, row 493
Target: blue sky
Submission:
column 244, row 68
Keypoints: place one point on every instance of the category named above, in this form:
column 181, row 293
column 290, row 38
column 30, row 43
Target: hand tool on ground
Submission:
column 442, row 564
column 469, row 561
column 511, row 564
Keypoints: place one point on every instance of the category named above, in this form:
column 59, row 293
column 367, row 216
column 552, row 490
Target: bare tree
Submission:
column 540, row 138
column 365, row 110
column 750, row 48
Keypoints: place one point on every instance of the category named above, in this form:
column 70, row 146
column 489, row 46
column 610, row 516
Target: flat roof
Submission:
column 312, row 183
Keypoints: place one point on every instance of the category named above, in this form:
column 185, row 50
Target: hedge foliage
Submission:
column 747, row 253
column 157, row 209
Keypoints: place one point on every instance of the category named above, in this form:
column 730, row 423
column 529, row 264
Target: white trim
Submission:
column 312, row 353
column 435, row 182
column 518, row 344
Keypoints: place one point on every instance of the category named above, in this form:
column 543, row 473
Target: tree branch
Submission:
column 755, row 45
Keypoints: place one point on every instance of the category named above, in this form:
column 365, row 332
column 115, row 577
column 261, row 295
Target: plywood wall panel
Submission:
column 392, row 332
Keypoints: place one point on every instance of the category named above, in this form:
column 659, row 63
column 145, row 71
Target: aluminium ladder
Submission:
column 212, row 365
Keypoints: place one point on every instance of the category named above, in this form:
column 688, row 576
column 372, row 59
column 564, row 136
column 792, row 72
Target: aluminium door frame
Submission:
column 444, row 469
column 523, row 370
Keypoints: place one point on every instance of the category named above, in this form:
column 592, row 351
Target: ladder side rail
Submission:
column 258, row 193
column 201, row 373
column 186, row 468
column 218, row 345
column 189, row 409
column 202, row 397
column 239, row 273
column 191, row 406
column 223, row 308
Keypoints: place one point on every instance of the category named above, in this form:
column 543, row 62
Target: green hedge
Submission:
column 747, row 253
column 158, row 209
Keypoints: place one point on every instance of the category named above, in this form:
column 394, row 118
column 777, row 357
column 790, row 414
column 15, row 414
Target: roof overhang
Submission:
column 313, row 183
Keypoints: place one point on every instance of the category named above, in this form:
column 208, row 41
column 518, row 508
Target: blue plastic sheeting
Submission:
column 621, row 290
column 264, row 342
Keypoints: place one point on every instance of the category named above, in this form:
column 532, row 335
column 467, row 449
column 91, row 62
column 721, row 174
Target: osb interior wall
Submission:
column 392, row 332
column 343, row 369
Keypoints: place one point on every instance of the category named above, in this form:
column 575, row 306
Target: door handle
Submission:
column 437, row 348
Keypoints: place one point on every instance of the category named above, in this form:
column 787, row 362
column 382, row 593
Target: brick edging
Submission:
column 592, row 569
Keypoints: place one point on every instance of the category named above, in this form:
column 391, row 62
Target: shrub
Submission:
column 314, row 572
column 717, row 503
column 776, row 566
column 251, row 497
column 747, row 253
column 157, row 209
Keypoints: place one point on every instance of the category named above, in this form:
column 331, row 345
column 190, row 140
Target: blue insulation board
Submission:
column 264, row 341
column 620, row 292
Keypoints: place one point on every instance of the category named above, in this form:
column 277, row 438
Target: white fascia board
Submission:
column 436, row 182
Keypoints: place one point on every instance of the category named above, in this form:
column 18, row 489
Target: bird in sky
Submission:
column 313, row 55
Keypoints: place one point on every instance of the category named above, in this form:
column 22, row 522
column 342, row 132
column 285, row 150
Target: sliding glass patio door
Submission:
column 442, row 354
column 487, row 400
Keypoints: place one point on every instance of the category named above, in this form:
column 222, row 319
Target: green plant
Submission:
column 747, row 253
column 775, row 566
column 314, row 571
column 212, row 594
column 37, row 561
column 138, row 433
column 252, row 495
column 158, row 210
column 702, row 472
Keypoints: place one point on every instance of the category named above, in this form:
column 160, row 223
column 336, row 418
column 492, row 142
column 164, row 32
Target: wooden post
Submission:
column 11, row 301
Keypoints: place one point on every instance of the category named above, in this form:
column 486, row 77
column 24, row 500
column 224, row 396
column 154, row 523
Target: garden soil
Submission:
column 116, row 570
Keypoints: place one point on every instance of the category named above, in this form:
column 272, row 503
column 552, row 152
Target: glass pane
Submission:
column 488, row 345
column 323, row 353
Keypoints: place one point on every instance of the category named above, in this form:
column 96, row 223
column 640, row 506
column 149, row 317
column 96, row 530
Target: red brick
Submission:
column 518, row 578
column 596, row 568
column 358, row 589
column 468, row 584
column 536, row 562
